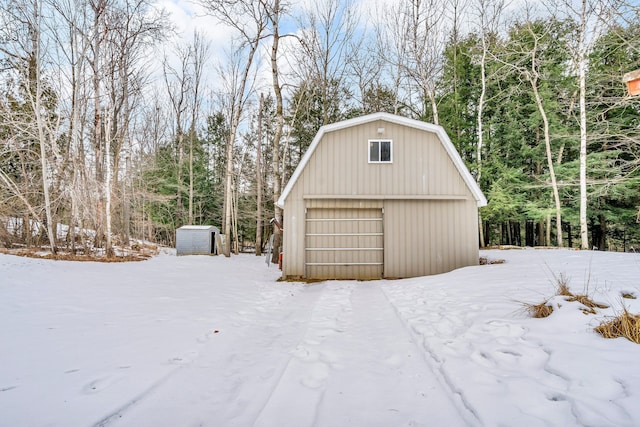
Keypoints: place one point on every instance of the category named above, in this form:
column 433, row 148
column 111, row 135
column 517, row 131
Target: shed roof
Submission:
column 197, row 227
column 429, row 127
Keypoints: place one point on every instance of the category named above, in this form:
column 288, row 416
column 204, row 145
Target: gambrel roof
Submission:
column 428, row 127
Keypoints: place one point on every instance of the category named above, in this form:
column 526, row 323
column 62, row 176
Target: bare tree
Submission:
column 200, row 52
column 391, row 47
column 178, row 85
column 259, row 220
column 25, row 53
column 591, row 18
column 327, row 31
column 248, row 19
column 527, row 65
column 274, row 11
column 73, row 48
column 422, row 37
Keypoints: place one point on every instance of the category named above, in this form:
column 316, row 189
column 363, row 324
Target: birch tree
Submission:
column 488, row 13
column 527, row 62
column 274, row 11
column 590, row 17
column 25, row 52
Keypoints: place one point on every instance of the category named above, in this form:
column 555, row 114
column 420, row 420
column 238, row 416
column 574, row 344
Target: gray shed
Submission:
column 379, row 196
column 196, row 240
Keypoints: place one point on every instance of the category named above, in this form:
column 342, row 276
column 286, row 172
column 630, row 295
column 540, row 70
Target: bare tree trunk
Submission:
column 127, row 201
column 98, row 8
column 259, row 179
column 228, row 192
column 533, row 76
column 552, row 173
column 107, row 187
column 227, row 12
column 584, row 236
column 43, row 136
column 489, row 12
column 277, row 172
column 191, row 136
column 483, row 80
column 200, row 52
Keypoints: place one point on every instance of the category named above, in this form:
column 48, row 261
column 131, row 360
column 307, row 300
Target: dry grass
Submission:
column 543, row 309
column 625, row 325
column 67, row 256
column 562, row 286
column 487, row 261
column 588, row 303
column 628, row 295
column 539, row 311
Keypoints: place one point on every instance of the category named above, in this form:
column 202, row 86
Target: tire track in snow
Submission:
column 467, row 411
column 357, row 365
column 217, row 385
column 308, row 369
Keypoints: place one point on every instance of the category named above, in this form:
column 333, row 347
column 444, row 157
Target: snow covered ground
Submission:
column 209, row 341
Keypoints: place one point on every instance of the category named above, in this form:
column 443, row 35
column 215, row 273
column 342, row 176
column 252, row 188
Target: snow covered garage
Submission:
column 196, row 240
column 379, row 196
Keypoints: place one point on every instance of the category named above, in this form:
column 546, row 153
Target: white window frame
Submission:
column 379, row 141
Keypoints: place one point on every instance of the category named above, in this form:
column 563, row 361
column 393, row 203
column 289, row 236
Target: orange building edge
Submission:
column 632, row 80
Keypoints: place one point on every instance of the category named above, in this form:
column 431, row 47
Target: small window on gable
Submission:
column 380, row 151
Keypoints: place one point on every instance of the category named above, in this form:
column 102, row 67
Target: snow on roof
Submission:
column 429, row 127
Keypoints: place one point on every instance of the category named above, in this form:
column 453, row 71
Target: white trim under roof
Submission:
column 429, row 127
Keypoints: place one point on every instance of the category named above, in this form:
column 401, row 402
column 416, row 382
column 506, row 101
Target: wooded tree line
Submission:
column 112, row 128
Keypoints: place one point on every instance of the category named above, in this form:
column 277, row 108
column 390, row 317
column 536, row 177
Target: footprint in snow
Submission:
column 483, row 359
column 305, row 354
column 556, row 397
column 184, row 359
column 316, row 376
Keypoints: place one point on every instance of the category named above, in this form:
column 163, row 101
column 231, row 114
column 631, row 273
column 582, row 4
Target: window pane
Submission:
column 374, row 151
column 385, row 151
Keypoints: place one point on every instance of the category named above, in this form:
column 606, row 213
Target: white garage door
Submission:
column 344, row 244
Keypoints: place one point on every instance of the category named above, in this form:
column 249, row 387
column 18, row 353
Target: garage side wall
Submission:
column 423, row 237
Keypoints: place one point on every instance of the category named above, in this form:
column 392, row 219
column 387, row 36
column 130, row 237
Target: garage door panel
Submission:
column 344, row 243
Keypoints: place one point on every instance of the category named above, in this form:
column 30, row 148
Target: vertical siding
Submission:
column 423, row 237
column 293, row 238
column 421, row 166
column 194, row 241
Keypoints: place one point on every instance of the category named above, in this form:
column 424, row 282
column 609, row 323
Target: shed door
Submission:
column 344, row 244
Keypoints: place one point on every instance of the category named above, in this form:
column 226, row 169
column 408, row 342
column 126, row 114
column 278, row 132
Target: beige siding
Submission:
column 293, row 238
column 423, row 237
column 421, row 166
